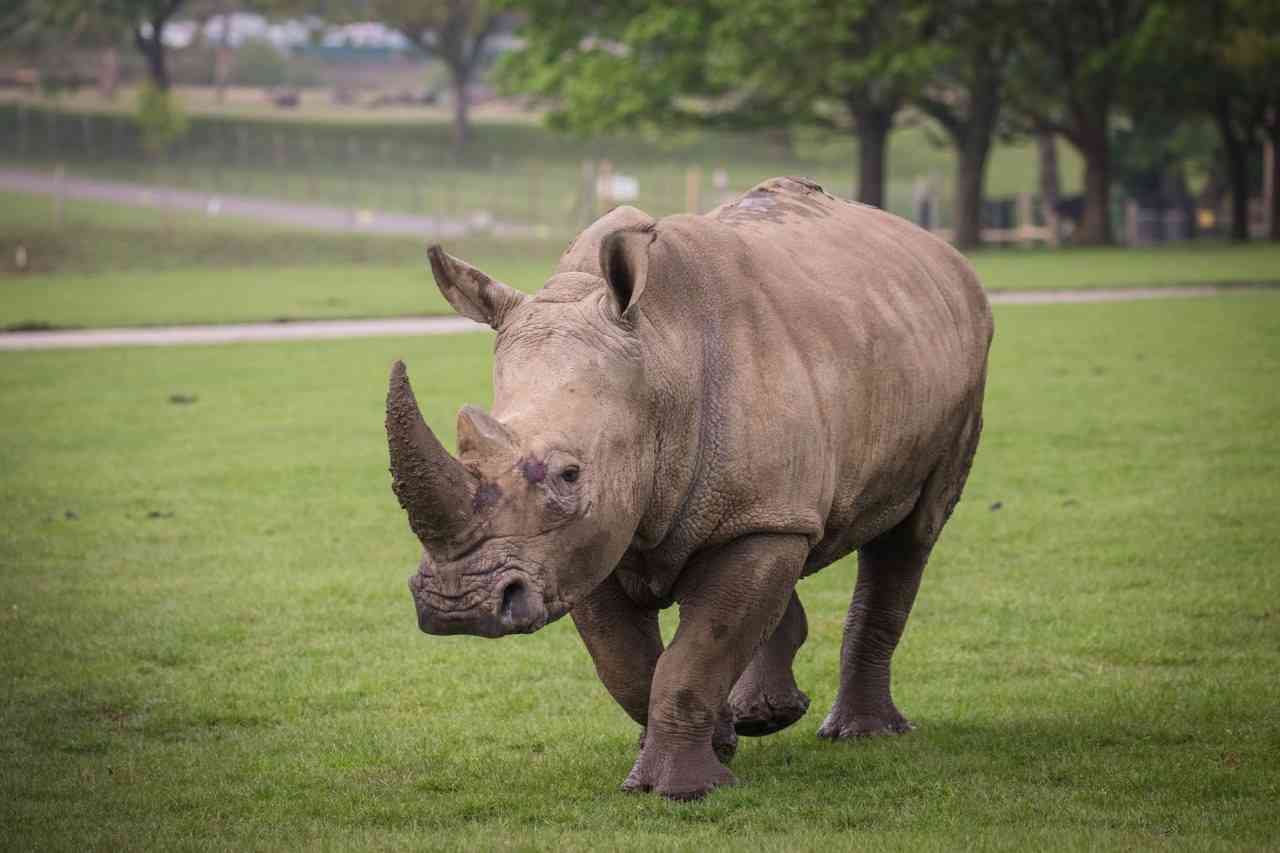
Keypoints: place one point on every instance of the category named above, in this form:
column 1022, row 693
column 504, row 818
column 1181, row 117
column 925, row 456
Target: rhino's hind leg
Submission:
column 889, row 571
column 888, row 576
column 766, row 699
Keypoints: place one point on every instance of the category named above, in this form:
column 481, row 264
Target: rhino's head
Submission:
column 545, row 493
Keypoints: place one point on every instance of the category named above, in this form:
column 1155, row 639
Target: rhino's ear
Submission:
column 472, row 293
column 624, row 260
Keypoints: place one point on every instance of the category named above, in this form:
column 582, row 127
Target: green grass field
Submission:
column 208, row 642
column 110, row 265
column 515, row 169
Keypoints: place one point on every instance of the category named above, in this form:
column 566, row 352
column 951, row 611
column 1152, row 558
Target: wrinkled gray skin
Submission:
column 703, row 410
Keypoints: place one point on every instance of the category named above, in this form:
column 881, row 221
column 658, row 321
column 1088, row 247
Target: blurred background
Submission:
column 991, row 122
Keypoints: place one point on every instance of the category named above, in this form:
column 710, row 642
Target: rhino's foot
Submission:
column 840, row 724
column 724, row 740
column 683, row 774
column 767, row 711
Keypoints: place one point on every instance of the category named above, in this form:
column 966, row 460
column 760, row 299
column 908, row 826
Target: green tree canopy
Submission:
column 764, row 62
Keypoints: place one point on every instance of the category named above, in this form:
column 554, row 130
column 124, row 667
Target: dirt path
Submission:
column 163, row 336
column 319, row 217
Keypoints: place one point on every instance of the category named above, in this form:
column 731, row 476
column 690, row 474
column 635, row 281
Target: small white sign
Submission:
column 618, row 187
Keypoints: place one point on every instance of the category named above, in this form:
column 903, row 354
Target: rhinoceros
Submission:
column 702, row 410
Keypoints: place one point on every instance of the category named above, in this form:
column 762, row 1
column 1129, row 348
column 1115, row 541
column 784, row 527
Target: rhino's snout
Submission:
column 511, row 605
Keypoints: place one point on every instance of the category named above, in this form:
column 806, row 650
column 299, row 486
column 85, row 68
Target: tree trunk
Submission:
column 971, row 171
column 1271, row 191
column 872, row 128
column 1050, row 189
column 1095, row 225
column 461, row 126
column 222, row 57
column 1237, row 154
column 108, row 73
column 973, row 145
column 152, row 50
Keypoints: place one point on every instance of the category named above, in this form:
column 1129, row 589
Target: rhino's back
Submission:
column 851, row 349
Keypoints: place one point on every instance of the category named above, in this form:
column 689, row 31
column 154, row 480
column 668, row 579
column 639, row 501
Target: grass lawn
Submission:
column 209, row 643
column 110, row 265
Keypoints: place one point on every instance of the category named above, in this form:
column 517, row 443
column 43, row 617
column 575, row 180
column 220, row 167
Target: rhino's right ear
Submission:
column 472, row 293
column 624, row 260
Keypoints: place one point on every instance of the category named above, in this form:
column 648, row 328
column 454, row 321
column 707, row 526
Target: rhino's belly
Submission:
column 848, row 532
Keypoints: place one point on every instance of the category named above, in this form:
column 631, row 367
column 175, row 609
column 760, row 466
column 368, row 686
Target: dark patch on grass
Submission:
column 182, row 399
column 35, row 326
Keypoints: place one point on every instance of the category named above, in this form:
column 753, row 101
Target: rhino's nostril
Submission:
column 516, row 610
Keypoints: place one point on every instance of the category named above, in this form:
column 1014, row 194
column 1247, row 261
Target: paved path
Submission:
column 163, row 336
column 319, row 217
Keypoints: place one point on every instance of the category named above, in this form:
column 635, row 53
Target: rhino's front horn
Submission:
column 433, row 487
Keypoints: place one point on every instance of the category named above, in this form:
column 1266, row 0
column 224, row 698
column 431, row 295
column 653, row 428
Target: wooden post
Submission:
column 1026, row 223
column 604, row 188
column 693, row 189
column 588, row 212
column 59, row 196
column 22, row 129
column 86, row 132
column 535, row 192
column 1132, row 227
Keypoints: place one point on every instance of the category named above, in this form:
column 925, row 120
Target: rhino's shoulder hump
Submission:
column 779, row 200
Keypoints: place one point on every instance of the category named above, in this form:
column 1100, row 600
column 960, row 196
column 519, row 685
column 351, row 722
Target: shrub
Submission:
column 160, row 118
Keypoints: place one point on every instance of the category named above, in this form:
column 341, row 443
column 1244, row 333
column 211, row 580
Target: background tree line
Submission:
column 1111, row 77
column 1077, row 69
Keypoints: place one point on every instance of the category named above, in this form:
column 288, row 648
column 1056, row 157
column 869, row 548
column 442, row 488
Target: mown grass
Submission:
column 209, row 644
column 110, row 265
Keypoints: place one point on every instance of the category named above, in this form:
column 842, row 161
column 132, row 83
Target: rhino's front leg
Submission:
column 624, row 642
column 730, row 601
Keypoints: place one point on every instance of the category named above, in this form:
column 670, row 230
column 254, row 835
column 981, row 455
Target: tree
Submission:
column 1220, row 59
column 454, row 30
column 844, row 64
column 148, row 18
column 976, row 40
column 1068, row 77
column 848, row 65
column 144, row 19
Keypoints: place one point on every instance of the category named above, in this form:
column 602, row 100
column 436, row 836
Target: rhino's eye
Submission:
column 570, row 474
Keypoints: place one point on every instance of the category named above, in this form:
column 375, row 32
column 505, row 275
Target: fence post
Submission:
column 59, row 195
column 603, row 188
column 535, row 193
column 693, row 189
column 1026, row 221
column 86, row 130
column 588, row 213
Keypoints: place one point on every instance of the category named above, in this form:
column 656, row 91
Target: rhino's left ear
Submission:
column 472, row 293
column 624, row 260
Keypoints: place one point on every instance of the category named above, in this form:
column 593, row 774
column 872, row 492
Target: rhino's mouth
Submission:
column 505, row 600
